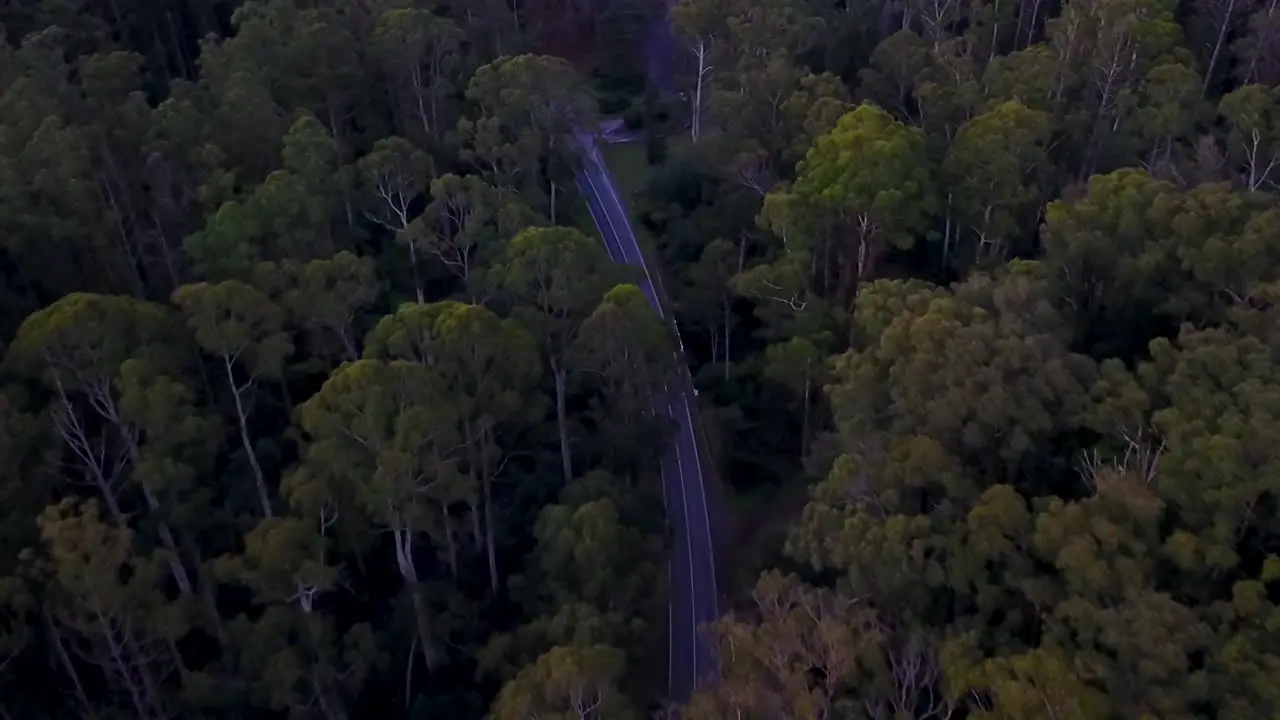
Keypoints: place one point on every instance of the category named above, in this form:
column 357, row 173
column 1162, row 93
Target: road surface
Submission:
column 691, row 568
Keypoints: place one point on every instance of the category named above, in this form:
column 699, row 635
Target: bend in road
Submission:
column 693, row 599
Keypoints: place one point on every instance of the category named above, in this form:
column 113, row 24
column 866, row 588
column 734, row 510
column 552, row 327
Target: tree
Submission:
column 743, row 64
column 994, row 164
column 1103, row 247
column 295, row 204
column 298, row 662
column 630, row 347
column 420, row 51
column 106, row 600
column 1037, row 684
column 284, row 562
column 707, row 303
column 589, row 554
column 327, row 299
column 767, row 657
column 242, row 328
column 292, row 653
column 466, row 222
column 555, row 276
column 489, row 366
column 1253, row 116
column 798, row 364
column 395, row 174
column 529, row 107
column 871, row 178
column 567, row 682
column 78, row 346
column 1257, row 59
column 381, row 441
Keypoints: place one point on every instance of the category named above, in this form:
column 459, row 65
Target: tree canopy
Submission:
column 320, row 396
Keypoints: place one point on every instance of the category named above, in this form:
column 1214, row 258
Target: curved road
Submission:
column 691, row 568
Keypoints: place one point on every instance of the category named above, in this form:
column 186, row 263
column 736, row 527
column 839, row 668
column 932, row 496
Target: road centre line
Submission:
column 702, row 490
column 688, row 533
column 603, row 235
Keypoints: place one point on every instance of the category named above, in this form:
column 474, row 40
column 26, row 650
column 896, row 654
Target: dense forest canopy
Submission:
column 319, row 397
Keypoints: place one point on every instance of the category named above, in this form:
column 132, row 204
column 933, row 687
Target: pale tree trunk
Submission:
column 450, row 542
column 242, row 419
column 726, row 307
column 413, row 266
column 69, row 426
column 486, row 482
column 1250, row 74
column 328, row 708
column 60, row 651
column 1217, row 47
column 436, row 60
column 995, row 32
column 166, row 538
column 701, row 51
column 562, row 421
column 103, row 402
column 552, row 183
column 477, row 532
column 804, row 415
column 117, row 665
column 1258, row 164
column 409, row 571
column 416, row 79
column 322, row 683
column 489, row 534
column 150, row 691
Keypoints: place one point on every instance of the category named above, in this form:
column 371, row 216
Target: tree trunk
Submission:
column 489, row 535
column 416, row 79
column 728, row 304
column 421, row 613
column 946, row 235
column 449, row 540
column 1217, row 47
column 562, row 422
column 65, row 661
column 149, row 689
column 413, row 265
column 422, row 617
column 175, row 562
column 116, row 665
column 166, row 535
column 242, row 418
column 695, row 126
column 552, row 183
column 804, row 417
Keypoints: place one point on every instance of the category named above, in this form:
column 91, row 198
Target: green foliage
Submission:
column 315, row 402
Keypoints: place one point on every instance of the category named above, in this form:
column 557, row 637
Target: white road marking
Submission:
column 693, row 583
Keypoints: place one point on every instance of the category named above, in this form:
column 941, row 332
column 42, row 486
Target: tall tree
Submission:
column 555, row 276
column 864, row 187
column 78, row 347
column 242, row 328
column 420, row 52
column 522, row 137
column 381, row 440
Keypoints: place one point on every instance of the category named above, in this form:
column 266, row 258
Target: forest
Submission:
column 321, row 398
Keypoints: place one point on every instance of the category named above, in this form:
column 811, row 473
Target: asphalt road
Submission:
column 691, row 568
